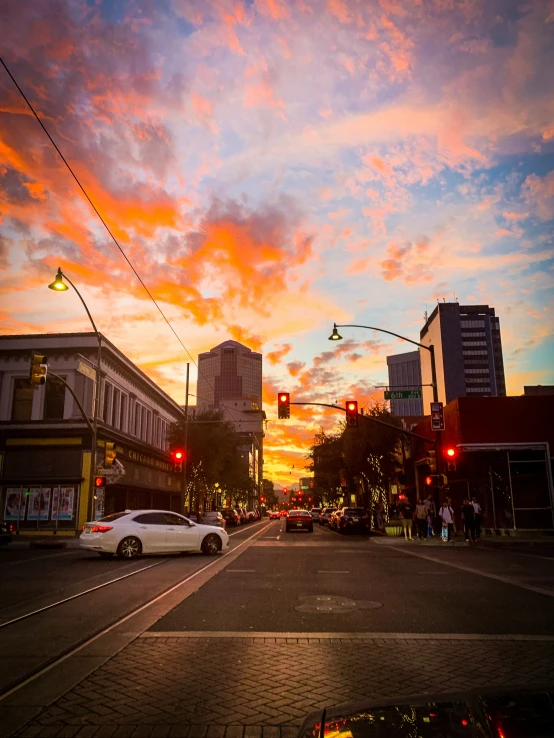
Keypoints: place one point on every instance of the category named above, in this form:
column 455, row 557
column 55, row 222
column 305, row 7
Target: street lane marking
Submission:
column 79, row 594
column 343, row 636
column 134, row 613
column 471, row 570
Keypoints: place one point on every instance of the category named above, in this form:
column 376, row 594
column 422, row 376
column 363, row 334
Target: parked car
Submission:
column 315, row 513
column 334, row 519
column 134, row 532
column 274, row 514
column 252, row 516
column 232, row 517
column 213, row 518
column 353, row 520
column 325, row 515
column 192, row 516
column 243, row 516
column 299, row 520
column 5, row 533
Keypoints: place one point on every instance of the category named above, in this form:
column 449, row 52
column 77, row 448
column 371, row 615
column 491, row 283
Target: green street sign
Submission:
column 402, row 394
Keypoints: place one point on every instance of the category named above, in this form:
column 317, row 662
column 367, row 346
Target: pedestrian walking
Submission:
column 421, row 520
column 468, row 515
column 431, row 513
column 449, row 503
column 406, row 516
column 446, row 514
column 477, row 510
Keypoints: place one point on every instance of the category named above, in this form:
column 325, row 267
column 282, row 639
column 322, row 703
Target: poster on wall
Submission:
column 45, row 496
column 15, row 504
column 34, row 503
column 65, row 503
column 55, row 503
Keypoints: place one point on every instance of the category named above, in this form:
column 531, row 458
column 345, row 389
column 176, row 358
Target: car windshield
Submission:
column 353, row 511
column 298, row 513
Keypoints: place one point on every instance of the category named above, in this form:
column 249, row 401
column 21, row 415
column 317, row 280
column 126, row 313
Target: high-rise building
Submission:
column 404, row 374
column 230, row 380
column 468, row 353
column 229, row 371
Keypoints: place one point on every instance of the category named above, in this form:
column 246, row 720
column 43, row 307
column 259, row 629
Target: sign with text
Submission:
column 403, row 394
column 86, row 369
column 437, row 416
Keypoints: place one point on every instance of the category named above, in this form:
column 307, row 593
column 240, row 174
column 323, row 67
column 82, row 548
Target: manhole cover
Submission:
column 333, row 604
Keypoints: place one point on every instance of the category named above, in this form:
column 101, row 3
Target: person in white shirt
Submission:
column 446, row 514
column 477, row 509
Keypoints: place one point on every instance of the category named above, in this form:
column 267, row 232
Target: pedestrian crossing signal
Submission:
column 283, row 405
column 99, row 482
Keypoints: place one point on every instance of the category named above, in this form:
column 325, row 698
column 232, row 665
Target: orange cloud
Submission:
column 274, row 357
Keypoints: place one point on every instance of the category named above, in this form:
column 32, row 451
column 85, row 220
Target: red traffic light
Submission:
column 178, row 455
column 351, row 413
column 283, row 405
column 99, row 481
column 262, row 499
column 451, row 452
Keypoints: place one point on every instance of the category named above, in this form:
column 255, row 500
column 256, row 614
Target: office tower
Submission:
column 404, row 374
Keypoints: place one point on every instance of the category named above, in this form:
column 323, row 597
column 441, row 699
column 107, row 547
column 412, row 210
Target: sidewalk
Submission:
column 545, row 543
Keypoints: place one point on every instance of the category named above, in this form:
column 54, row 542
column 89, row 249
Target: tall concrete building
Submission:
column 405, row 373
column 227, row 372
column 468, row 353
column 230, row 380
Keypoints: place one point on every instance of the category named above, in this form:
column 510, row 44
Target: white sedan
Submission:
column 135, row 532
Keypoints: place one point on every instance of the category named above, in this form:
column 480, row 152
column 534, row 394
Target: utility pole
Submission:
column 184, row 494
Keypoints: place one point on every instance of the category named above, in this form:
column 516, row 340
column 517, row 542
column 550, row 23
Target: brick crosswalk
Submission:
column 244, row 687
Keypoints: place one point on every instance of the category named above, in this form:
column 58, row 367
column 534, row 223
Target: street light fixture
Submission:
column 58, row 285
column 335, row 336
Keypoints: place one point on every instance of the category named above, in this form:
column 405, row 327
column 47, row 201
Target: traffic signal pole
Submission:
column 184, row 478
column 370, row 418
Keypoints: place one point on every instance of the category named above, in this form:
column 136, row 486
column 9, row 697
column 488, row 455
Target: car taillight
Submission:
column 100, row 528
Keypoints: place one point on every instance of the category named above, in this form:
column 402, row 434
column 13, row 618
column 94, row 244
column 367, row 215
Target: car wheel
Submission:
column 211, row 545
column 129, row 548
column 105, row 555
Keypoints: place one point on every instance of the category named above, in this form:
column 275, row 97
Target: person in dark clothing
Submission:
column 477, row 509
column 468, row 515
column 407, row 517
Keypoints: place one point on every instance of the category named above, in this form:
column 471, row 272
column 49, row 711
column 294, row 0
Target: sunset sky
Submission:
column 273, row 166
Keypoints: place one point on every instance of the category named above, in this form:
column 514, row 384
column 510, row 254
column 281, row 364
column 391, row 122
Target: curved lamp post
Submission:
column 335, row 336
column 58, row 285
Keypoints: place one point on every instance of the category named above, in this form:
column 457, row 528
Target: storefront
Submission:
column 502, row 457
column 149, row 481
column 44, row 484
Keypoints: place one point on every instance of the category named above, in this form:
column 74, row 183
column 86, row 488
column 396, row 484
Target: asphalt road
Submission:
column 280, row 626
column 283, row 579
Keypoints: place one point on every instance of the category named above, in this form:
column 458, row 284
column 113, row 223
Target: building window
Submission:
column 483, row 370
column 22, row 404
column 472, row 323
column 115, row 407
column 54, row 400
column 123, row 412
column 108, row 389
column 473, row 343
column 473, row 334
column 138, row 419
column 475, row 353
column 482, row 390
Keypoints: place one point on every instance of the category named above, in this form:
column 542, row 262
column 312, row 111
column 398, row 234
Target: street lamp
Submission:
column 335, row 336
column 58, row 285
